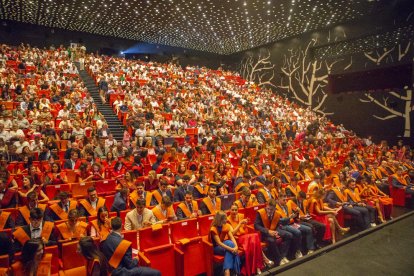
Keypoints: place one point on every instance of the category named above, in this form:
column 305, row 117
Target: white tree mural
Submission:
column 307, row 78
column 408, row 108
column 258, row 69
column 379, row 55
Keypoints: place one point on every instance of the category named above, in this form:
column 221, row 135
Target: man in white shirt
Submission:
column 140, row 217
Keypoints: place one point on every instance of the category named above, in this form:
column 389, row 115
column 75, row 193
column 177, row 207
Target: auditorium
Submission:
column 206, row 137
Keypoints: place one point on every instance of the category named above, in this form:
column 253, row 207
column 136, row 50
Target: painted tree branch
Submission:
column 260, row 71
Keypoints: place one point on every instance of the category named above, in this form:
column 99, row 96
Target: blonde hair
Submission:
column 219, row 219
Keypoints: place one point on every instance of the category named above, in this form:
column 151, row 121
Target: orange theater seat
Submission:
column 70, row 257
column 251, row 212
column 105, row 186
column 204, row 224
column 166, row 258
column 148, row 237
column 184, row 235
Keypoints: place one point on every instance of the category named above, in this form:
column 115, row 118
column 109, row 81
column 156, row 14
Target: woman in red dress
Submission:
column 55, row 176
column 255, row 259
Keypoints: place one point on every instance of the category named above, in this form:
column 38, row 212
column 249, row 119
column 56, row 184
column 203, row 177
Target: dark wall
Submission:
column 299, row 68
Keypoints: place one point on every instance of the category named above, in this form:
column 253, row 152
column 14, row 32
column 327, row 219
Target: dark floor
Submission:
column 387, row 251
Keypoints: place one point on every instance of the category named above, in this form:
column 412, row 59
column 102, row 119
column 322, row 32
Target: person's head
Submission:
column 350, row 183
column 140, row 206
column 301, row 195
column 73, row 217
column 282, row 199
column 56, row 168
column 92, row 194
column 163, row 185
column 116, row 224
column 64, row 197
column 166, row 202
column 32, row 199
column 36, row 217
column 74, row 155
column 140, row 188
column 219, row 219
column 234, row 209
column 188, row 197
column 270, row 206
column 212, row 191
column 89, row 250
column 185, row 180
column 102, row 214
column 399, row 171
column 245, row 194
column 32, row 253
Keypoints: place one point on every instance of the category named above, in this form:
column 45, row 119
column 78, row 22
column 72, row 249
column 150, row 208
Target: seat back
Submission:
column 80, row 189
column 162, row 258
column 131, row 235
column 105, row 186
column 109, row 200
column 204, row 224
column 151, row 238
column 227, row 201
column 54, row 250
column 4, row 261
column 183, row 229
column 70, row 257
column 251, row 212
column 52, row 191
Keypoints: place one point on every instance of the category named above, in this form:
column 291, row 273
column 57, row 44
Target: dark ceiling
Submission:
column 218, row 26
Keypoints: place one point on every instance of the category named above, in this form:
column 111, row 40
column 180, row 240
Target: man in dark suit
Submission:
column 73, row 163
column 268, row 222
column 122, row 265
column 60, row 210
column 73, row 148
column 162, row 190
column 90, row 206
column 179, row 194
column 120, row 201
column 36, row 229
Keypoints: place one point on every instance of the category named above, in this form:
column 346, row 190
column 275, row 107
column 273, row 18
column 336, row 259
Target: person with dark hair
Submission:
column 23, row 217
column 267, row 222
column 36, row 229
column 74, row 162
column 179, row 193
column 60, row 210
column 201, row 187
column 224, row 243
column 162, row 191
column 7, row 195
column 88, row 207
column 118, row 252
column 72, row 229
column 140, row 193
column 247, row 199
column 97, row 264
column 267, row 192
column 101, row 226
column 33, row 260
column 188, row 208
column 120, row 200
column 164, row 211
column 210, row 204
column 139, row 217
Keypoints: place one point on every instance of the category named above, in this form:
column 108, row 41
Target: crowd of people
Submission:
column 192, row 135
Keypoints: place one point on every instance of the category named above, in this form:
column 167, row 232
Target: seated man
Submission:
column 73, row 163
column 162, row 191
column 60, row 210
column 118, row 252
column 140, row 193
column 89, row 207
column 164, row 211
column 401, row 182
column 179, row 193
column 23, row 217
column 288, row 210
column 268, row 224
column 267, row 192
column 201, row 187
column 73, row 229
column 247, row 199
column 7, row 195
column 37, row 228
column 293, row 189
column 140, row 217
column 188, row 208
column 211, row 204
column 120, row 201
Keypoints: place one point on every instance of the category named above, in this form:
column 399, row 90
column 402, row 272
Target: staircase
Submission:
column 114, row 125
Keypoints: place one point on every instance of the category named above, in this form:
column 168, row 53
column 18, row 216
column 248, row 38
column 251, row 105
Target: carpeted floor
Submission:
column 387, row 251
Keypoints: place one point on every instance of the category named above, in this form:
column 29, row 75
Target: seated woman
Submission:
column 95, row 174
column 29, row 186
column 33, row 260
column 97, row 265
column 224, row 243
column 110, row 161
column 72, row 229
column 101, row 226
column 55, row 176
column 326, row 215
column 250, row 242
column 127, row 182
